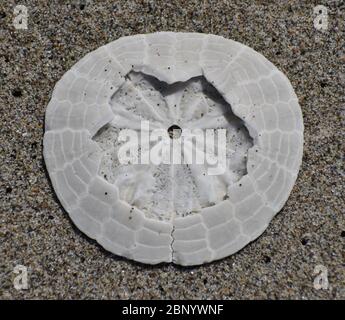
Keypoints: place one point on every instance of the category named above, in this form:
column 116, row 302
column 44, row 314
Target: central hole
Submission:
column 174, row 131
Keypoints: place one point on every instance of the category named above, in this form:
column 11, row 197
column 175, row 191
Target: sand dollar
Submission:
column 173, row 84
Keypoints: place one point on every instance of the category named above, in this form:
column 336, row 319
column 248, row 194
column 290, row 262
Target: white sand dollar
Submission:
column 173, row 212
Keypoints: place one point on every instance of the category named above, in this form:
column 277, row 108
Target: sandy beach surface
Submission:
column 62, row 262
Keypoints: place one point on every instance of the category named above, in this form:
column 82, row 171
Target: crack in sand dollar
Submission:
column 141, row 216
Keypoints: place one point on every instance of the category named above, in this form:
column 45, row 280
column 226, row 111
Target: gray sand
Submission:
column 63, row 263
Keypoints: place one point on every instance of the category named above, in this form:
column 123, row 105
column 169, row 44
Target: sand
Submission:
column 62, row 262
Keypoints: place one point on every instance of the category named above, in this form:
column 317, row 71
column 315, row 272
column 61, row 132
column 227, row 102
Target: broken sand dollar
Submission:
column 170, row 83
